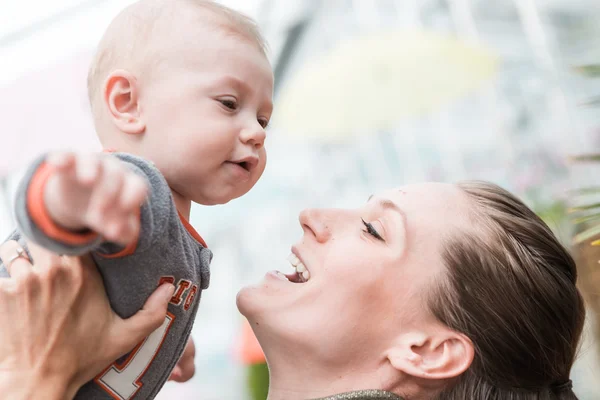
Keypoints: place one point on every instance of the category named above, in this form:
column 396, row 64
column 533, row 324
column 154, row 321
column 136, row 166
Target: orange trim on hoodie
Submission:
column 191, row 230
column 130, row 248
column 39, row 213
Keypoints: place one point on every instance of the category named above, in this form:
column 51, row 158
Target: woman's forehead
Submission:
column 435, row 203
column 419, row 190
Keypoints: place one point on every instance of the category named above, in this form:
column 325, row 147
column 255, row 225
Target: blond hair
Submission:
column 125, row 42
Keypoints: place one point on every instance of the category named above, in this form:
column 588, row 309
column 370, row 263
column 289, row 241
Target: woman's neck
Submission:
column 295, row 379
column 295, row 385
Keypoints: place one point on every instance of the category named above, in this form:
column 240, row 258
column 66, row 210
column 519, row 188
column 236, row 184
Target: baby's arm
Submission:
column 94, row 192
column 125, row 208
column 71, row 203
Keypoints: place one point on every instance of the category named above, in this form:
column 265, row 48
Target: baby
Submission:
column 181, row 94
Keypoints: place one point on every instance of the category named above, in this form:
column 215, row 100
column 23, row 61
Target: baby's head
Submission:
column 187, row 85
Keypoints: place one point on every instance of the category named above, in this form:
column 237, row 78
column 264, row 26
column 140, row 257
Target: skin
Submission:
column 221, row 95
column 361, row 321
column 185, row 368
column 95, row 192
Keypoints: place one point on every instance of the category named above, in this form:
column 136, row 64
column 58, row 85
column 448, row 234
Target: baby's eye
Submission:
column 230, row 104
column 263, row 122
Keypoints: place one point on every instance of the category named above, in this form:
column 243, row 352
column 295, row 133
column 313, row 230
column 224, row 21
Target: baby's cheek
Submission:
column 260, row 168
column 262, row 154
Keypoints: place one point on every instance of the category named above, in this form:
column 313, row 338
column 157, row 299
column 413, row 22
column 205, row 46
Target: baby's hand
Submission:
column 185, row 368
column 96, row 192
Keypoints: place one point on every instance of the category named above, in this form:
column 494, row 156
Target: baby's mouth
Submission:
column 242, row 164
column 247, row 163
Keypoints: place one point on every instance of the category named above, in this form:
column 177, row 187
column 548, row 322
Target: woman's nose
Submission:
column 314, row 222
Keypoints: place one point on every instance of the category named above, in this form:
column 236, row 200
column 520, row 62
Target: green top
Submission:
column 363, row 395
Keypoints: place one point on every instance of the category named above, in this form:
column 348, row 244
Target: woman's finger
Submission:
column 15, row 259
column 128, row 333
column 42, row 257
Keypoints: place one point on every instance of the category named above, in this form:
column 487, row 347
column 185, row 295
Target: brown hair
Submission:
column 510, row 287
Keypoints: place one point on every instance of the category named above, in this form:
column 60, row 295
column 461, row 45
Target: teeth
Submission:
column 299, row 266
column 293, row 259
column 306, row 275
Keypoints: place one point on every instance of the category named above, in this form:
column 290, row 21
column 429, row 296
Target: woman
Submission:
column 432, row 291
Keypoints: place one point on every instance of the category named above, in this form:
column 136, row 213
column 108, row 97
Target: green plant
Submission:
column 555, row 215
column 258, row 381
column 585, row 216
column 586, row 212
column 586, row 246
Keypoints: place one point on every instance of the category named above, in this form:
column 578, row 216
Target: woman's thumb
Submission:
column 152, row 315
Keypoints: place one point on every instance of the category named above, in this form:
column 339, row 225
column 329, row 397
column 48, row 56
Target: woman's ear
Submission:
column 120, row 96
column 444, row 354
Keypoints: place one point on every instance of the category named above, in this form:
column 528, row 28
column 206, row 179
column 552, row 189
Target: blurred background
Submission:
column 369, row 94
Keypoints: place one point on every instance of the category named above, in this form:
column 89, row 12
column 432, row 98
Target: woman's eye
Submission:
column 230, row 104
column 371, row 230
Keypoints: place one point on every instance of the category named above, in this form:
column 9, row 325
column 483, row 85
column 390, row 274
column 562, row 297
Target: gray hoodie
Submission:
column 168, row 249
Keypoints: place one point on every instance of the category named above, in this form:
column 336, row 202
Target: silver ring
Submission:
column 20, row 254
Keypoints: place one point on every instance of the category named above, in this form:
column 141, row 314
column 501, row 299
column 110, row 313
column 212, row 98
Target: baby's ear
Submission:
column 120, row 95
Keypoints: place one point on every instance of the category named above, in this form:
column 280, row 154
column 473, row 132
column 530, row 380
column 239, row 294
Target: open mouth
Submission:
column 245, row 164
column 301, row 273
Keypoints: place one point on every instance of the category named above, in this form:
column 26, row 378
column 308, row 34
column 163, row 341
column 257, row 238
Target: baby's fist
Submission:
column 97, row 192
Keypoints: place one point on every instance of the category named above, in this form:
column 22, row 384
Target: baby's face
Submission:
column 206, row 108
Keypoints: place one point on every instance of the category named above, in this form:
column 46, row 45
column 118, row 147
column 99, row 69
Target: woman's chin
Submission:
column 256, row 298
column 248, row 300
column 241, row 300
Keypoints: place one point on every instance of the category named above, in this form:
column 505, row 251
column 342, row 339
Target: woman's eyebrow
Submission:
column 387, row 204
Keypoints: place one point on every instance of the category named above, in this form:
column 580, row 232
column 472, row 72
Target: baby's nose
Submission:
column 254, row 135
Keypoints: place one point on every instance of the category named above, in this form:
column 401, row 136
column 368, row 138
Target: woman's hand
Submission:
column 57, row 329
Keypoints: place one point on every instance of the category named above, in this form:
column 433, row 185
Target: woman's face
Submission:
column 364, row 291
